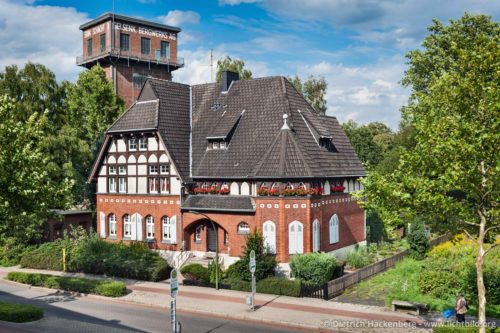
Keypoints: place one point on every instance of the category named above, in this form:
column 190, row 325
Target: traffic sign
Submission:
column 174, row 288
column 252, row 261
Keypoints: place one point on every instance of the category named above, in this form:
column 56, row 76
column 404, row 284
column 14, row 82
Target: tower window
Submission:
column 103, row 42
column 89, row 47
column 145, row 45
column 124, row 42
column 138, row 79
column 165, row 49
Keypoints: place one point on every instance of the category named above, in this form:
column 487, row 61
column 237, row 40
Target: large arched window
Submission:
column 245, row 189
column 243, row 228
column 127, row 226
column 102, row 225
column 234, row 189
column 333, row 227
column 150, row 227
column 112, row 225
column 270, row 236
column 169, row 229
column 316, row 235
column 295, row 238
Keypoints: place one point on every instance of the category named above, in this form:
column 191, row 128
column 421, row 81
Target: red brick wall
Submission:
column 281, row 211
column 55, row 227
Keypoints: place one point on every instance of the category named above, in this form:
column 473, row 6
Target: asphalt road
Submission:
column 66, row 313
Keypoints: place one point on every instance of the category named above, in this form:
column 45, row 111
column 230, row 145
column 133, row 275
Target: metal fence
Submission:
column 337, row 286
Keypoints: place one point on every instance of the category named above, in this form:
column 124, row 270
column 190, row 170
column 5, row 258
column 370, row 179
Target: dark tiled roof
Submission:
column 140, row 116
column 230, row 203
column 255, row 148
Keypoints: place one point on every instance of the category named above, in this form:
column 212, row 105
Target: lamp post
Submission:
column 216, row 246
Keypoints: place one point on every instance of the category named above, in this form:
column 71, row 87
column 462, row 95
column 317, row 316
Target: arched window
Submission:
column 245, row 189
column 302, row 186
column 270, row 236
column 316, row 236
column 102, row 225
column 197, row 234
column 150, row 227
column 204, row 186
column 327, row 187
column 169, row 229
column 334, row 229
column 112, row 225
column 127, row 227
column 224, row 186
column 243, row 228
column 275, row 186
column 289, row 186
column 214, row 186
column 263, row 186
column 235, row 189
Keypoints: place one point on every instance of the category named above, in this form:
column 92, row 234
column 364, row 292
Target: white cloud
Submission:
column 41, row 34
column 362, row 93
column 178, row 17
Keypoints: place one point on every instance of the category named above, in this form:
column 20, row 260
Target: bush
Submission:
column 46, row 256
column 80, row 285
column 279, row 286
column 196, row 272
column 213, row 269
column 359, row 257
column 418, row 240
column 19, row 313
column 11, row 252
column 237, row 284
column 88, row 254
column 316, row 268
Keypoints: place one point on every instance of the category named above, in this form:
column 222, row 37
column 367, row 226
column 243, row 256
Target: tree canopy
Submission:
column 452, row 171
column 313, row 89
column 233, row 65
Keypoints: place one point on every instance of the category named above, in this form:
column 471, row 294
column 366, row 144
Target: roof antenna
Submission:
column 285, row 124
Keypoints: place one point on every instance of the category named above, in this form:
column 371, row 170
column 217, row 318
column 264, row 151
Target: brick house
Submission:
column 243, row 154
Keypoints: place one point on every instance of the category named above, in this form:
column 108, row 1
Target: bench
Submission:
column 417, row 307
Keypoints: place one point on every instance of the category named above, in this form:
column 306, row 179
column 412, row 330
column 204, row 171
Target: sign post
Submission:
column 252, row 270
column 174, row 289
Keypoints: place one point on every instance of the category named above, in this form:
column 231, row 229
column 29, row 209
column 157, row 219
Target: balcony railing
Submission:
column 132, row 56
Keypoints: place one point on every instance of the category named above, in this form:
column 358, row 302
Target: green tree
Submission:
column 233, row 65
column 452, row 172
column 418, row 239
column 27, row 191
column 314, row 90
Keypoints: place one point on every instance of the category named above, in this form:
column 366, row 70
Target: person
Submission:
column 461, row 308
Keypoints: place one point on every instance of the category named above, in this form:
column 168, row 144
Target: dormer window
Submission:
column 204, row 186
column 289, row 186
column 302, row 186
column 275, row 186
column 328, row 144
column 263, row 186
column 143, row 144
column 224, row 186
column 215, row 145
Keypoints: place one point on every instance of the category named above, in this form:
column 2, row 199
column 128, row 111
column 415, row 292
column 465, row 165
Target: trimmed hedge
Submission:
column 452, row 328
column 19, row 313
column 279, row 286
column 81, row 285
column 196, row 272
column 317, row 268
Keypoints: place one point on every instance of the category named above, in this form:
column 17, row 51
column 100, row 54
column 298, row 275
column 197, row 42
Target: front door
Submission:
column 211, row 239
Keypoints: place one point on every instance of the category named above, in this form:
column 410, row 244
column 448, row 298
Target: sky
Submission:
column 358, row 46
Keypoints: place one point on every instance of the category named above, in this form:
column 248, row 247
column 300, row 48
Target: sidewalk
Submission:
column 304, row 313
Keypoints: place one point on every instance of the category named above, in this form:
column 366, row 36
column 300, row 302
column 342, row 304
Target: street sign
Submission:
column 174, row 289
column 252, row 262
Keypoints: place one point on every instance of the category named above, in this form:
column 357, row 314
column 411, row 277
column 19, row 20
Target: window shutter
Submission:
column 173, row 229
column 331, row 231
column 133, row 224
column 102, row 226
column 138, row 226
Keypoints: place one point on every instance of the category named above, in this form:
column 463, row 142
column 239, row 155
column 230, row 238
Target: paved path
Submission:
column 302, row 313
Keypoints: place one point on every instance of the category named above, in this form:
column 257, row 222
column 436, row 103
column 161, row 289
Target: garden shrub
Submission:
column 19, row 313
column 159, row 270
column 359, row 257
column 213, row 269
column 80, row 285
column 265, row 263
column 314, row 267
column 46, row 256
column 196, row 272
column 11, row 252
column 279, row 286
column 237, row 284
column 418, row 240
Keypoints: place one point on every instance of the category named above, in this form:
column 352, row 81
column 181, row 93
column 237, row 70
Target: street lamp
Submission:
column 216, row 246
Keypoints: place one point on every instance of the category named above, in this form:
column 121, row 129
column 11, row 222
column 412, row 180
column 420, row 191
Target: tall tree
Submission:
column 314, row 90
column 27, row 188
column 452, row 172
column 233, row 65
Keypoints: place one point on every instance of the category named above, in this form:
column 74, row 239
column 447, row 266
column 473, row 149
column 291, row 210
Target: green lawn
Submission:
column 402, row 283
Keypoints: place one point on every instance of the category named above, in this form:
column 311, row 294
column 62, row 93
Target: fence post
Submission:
column 325, row 292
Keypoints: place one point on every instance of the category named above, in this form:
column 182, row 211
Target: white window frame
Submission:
column 197, row 234
column 269, row 233
column 333, row 228
column 275, row 186
column 224, row 186
column 122, row 184
column 289, row 186
column 153, row 169
column 295, row 238
column 132, row 144
column 112, row 170
column 222, row 145
column 164, row 180
column 150, row 227
column 112, row 225
column 243, row 228
column 153, row 184
column 112, row 184
column 127, row 226
column 166, row 171
column 169, row 231
column 122, row 170
column 302, row 186
column 143, row 144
